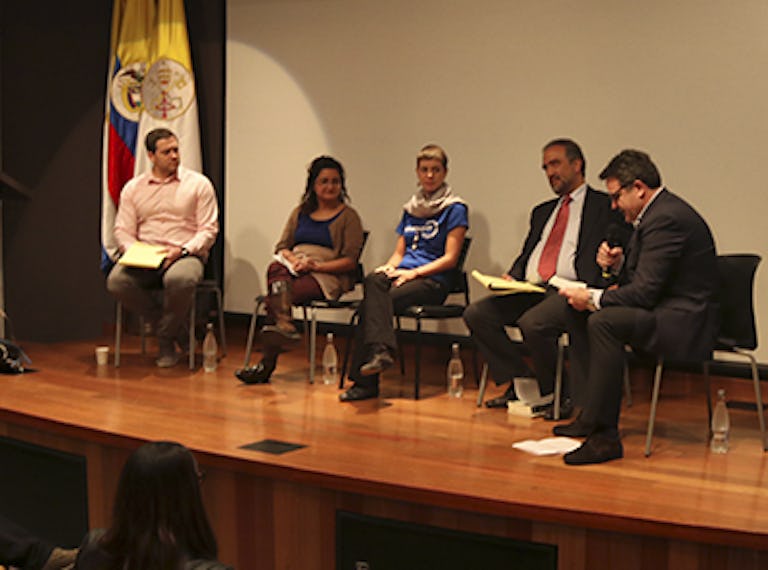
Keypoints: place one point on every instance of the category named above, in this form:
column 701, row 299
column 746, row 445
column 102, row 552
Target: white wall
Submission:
column 492, row 81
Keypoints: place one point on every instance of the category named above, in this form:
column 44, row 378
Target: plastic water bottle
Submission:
column 330, row 361
column 455, row 374
column 721, row 425
column 210, row 350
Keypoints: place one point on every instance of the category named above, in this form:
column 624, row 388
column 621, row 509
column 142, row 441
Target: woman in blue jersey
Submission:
column 316, row 258
column 430, row 235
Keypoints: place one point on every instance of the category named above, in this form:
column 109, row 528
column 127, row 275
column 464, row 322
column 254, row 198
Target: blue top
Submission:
column 314, row 232
column 425, row 237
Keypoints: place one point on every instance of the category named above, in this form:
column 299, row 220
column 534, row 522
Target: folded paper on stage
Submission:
column 548, row 445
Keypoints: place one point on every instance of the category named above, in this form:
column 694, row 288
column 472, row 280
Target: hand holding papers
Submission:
column 563, row 283
column 144, row 255
column 503, row 286
column 280, row 258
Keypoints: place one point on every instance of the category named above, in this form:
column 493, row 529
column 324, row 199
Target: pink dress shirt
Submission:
column 179, row 211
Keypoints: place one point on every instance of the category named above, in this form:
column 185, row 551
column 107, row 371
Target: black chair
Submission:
column 737, row 334
column 458, row 284
column 309, row 314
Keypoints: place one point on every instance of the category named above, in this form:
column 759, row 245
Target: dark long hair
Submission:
column 309, row 199
column 159, row 521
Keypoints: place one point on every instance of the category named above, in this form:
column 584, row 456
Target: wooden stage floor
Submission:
column 434, row 461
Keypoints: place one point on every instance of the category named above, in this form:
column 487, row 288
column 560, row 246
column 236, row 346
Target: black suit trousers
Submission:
column 381, row 301
column 597, row 348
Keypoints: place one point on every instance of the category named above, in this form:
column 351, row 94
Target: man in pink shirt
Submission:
column 176, row 208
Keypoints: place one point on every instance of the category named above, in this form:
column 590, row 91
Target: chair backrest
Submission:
column 457, row 277
column 359, row 272
column 737, row 315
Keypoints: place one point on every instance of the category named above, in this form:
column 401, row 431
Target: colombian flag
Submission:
column 150, row 85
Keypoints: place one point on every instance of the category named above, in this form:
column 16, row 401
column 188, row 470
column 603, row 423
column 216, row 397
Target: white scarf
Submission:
column 422, row 205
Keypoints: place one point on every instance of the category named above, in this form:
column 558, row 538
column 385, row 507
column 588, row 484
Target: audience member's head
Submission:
column 159, row 520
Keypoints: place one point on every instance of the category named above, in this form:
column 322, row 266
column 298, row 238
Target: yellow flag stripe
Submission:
column 132, row 24
column 171, row 38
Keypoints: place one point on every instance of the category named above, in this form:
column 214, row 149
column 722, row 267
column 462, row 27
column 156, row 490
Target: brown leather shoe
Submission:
column 276, row 335
column 379, row 362
column 357, row 393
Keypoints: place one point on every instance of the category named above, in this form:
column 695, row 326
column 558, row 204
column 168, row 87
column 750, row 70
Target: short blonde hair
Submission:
column 432, row 152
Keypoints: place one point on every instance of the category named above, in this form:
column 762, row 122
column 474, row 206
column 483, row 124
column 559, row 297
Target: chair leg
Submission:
column 191, row 336
column 305, row 324
column 417, row 376
column 708, row 384
column 654, row 402
column 252, row 330
column 559, row 377
column 118, row 332
column 353, row 321
column 312, row 342
column 758, row 395
column 222, row 330
column 400, row 352
column 483, row 385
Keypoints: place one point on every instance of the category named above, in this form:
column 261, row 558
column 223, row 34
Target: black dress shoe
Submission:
column 598, row 448
column 566, row 410
column 501, row 401
column 577, row 428
column 356, row 393
column 380, row 361
column 258, row 374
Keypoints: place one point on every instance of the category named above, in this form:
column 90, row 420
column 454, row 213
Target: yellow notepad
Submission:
column 506, row 286
column 144, row 255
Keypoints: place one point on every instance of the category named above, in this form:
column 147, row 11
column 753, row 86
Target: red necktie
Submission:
column 551, row 251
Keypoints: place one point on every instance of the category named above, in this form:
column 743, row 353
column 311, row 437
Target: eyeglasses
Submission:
column 616, row 195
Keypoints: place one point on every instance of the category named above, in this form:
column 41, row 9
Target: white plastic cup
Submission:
column 102, row 355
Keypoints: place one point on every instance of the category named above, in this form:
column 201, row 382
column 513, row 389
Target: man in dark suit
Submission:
column 566, row 230
column 664, row 303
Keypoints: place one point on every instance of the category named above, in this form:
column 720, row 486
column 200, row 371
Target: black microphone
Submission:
column 613, row 239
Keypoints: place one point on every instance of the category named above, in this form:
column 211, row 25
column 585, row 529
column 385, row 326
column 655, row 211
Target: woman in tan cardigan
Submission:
column 315, row 258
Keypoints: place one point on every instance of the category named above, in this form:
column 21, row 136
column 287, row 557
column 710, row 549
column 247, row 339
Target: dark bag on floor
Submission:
column 12, row 358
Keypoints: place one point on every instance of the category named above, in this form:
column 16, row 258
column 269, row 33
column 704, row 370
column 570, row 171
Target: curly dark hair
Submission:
column 309, row 198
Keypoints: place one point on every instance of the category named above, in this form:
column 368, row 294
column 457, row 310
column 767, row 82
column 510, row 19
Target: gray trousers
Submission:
column 162, row 297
